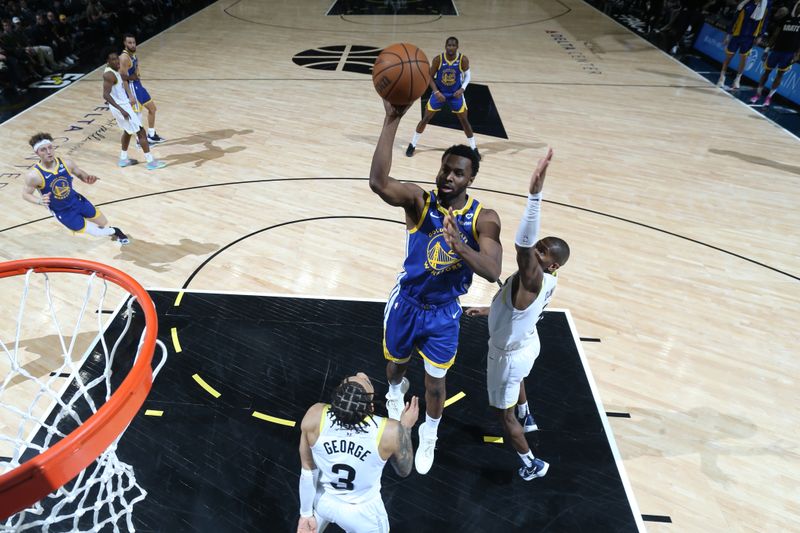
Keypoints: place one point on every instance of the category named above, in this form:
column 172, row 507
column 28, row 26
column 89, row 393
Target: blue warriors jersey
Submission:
column 138, row 90
column 432, row 273
column 134, row 63
column 59, row 183
column 744, row 25
column 450, row 75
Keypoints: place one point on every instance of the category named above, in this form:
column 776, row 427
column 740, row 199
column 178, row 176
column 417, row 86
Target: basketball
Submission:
column 401, row 73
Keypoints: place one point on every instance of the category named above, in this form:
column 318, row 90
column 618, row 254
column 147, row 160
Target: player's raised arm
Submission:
column 487, row 262
column 530, row 270
column 309, row 428
column 396, row 439
column 392, row 191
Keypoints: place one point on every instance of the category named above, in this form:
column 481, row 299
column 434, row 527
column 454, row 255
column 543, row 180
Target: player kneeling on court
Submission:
column 52, row 177
column 515, row 310
column 343, row 449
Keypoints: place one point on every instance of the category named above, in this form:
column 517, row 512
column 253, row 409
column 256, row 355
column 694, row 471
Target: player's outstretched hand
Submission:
column 410, row 413
column 46, row 199
column 537, row 178
column 477, row 311
column 91, row 179
column 452, row 235
column 395, row 111
column 307, row 525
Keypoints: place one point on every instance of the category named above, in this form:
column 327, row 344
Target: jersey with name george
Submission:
column 511, row 328
column 432, row 273
column 349, row 461
column 449, row 76
column 58, row 182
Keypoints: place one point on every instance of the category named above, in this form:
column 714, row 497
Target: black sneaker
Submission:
column 538, row 469
column 155, row 139
column 120, row 237
column 410, row 150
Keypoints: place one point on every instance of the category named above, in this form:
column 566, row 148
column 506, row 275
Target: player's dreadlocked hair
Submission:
column 351, row 404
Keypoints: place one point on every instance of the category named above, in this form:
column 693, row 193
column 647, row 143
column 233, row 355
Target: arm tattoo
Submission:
column 403, row 459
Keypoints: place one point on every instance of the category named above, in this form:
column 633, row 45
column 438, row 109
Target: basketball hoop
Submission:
column 69, row 446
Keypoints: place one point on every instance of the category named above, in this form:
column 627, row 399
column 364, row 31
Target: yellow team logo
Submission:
column 449, row 77
column 440, row 258
column 60, row 188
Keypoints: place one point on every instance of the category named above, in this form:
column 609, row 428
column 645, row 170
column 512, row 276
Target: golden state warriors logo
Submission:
column 60, row 188
column 449, row 77
column 440, row 258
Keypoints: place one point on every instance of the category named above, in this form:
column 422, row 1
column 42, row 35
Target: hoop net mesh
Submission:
column 43, row 399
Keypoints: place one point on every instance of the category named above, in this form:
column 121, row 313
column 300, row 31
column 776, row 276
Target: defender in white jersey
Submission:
column 343, row 449
column 513, row 314
column 117, row 95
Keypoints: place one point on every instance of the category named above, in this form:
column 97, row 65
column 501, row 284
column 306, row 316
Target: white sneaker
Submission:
column 721, row 81
column 396, row 404
column 423, row 459
column 735, row 85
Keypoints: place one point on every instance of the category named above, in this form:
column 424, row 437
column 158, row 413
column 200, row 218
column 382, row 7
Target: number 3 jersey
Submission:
column 349, row 462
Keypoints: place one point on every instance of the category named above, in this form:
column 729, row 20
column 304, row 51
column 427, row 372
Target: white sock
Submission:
column 151, row 132
column 738, row 78
column 149, row 157
column 93, row 229
column 431, row 424
column 772, row 93
column 526, row 458
column 415, row 139
column 523, row 409
column 471, row 141
column 123, row 155
column 396, row 390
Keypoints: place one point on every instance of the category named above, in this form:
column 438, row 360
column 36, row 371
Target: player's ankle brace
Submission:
column 529, row 224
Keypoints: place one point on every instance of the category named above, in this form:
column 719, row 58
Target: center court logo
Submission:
column 343, row 57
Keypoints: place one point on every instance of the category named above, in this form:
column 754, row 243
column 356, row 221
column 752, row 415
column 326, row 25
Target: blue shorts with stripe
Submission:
column 141, row 94
column 457, row 105
column 780, row 60
column 74, row 217
column 742, row 44
column 431, row 330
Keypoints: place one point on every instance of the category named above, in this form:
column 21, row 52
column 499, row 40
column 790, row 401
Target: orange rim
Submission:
column 56, row 466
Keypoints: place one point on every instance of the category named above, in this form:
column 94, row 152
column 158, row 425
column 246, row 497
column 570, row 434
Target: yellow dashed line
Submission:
column 175, row 342
column 153, row 412
column 209, row 389
column 454, row 399
column 178, row 299
column 275, row 420
column 493, row 440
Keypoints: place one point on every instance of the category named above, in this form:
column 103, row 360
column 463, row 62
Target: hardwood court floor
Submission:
column 679, row 204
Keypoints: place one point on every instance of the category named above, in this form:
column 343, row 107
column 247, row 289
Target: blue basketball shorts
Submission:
column 74, row 217
column 742, row 44
column 457, row 105
column 780, row 60
column 141, row 94
column 430, row 330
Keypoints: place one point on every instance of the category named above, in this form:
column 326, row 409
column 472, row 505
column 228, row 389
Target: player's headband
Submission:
column 43, row 142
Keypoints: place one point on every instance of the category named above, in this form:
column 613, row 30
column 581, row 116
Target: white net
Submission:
column 54, row 380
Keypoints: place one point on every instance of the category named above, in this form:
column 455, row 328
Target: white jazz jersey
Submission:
column 118, row 90
column 349, row 462
column 511, row 329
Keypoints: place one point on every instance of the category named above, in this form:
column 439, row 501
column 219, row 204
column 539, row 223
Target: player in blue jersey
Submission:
column 129, row 70
column 450, row 76
column 745, row 31
column 423, row 312
column 52, row 177
column 783, row 50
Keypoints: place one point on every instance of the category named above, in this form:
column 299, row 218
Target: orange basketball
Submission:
column 401, row 73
